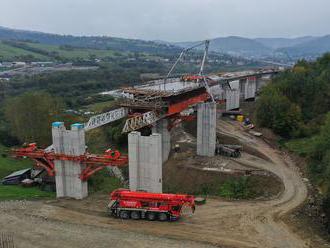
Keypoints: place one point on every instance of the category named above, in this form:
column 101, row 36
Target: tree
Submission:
column 30, row 116
column 275, row 111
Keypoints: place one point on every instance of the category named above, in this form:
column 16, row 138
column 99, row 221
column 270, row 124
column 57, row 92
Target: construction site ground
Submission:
column 262, row 222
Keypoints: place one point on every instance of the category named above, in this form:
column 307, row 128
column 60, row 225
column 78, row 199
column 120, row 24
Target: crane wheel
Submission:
column 135, row 215
column 162, row 217
column 151, row 216
column 124, row 214
column 110, row 212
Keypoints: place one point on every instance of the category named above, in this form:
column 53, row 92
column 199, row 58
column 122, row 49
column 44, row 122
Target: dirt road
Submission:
column 218, row 223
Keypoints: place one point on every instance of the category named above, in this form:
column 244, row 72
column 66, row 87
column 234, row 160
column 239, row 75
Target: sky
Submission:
column 171, row 20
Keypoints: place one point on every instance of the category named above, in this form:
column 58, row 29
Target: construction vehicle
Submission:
column 228, row 150
column 126, row 204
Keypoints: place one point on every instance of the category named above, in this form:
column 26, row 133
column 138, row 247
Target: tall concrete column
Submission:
column 58, row 130
column 250, row 88
column 232, row 99
column 69, row 142
column 161, row 127
column 233, row 95
column 242, row 83
column 145, row 162
column 206, row 129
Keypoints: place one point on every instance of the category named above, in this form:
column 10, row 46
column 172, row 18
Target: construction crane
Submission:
column 127, row 204
column 201, row 71
column 45, row 159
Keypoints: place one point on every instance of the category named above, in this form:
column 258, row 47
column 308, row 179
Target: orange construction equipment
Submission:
column 94, row 163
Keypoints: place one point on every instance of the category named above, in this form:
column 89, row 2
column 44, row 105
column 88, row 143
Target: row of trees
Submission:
column 29, row 117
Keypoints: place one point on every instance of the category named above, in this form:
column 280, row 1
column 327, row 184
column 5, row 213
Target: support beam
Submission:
column 206, row 129
column 69, row 142
column 161, row 127
column 145, row 162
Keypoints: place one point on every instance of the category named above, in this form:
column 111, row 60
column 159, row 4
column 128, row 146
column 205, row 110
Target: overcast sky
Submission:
column 173, row 20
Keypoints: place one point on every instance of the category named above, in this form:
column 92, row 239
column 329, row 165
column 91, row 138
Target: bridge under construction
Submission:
column 157, row 106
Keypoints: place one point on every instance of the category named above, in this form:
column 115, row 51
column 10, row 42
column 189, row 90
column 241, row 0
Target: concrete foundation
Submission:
column 206, row 129
column 70, row 142
column 145, row 162
column 161, row 127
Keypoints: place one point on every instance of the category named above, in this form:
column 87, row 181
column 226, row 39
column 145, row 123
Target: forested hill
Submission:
column 94, row 42
column 297, row 107
column 297, row 99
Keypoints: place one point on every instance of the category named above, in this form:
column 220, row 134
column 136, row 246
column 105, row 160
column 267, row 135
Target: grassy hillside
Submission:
column 11, row 53
column 94, row 42
column 72, row 53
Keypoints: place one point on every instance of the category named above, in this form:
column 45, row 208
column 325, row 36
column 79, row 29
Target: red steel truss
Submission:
column 93, row 162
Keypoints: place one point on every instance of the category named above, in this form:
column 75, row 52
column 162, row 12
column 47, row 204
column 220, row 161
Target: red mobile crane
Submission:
column 127, row 204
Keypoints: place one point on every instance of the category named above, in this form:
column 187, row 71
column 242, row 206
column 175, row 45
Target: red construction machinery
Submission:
column 94, row 163
column 127, row 204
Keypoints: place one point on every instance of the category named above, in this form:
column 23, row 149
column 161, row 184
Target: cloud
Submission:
column 175, row 20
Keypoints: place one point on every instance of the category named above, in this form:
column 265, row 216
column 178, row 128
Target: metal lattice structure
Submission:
column 45, row 159
column 140, row 121
column 105, row 118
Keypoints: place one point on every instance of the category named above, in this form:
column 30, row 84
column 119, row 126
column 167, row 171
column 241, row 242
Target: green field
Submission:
column 9, row 165
column 40, row 52
column 10, row 53
column 73, row 53
column 16, row 192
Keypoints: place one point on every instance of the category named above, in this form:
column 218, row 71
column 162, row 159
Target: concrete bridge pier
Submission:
column 250, row 88
column 161, row 127
column 206, row 129
column 232, row 95
column 145, row 162
column 69, row 142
